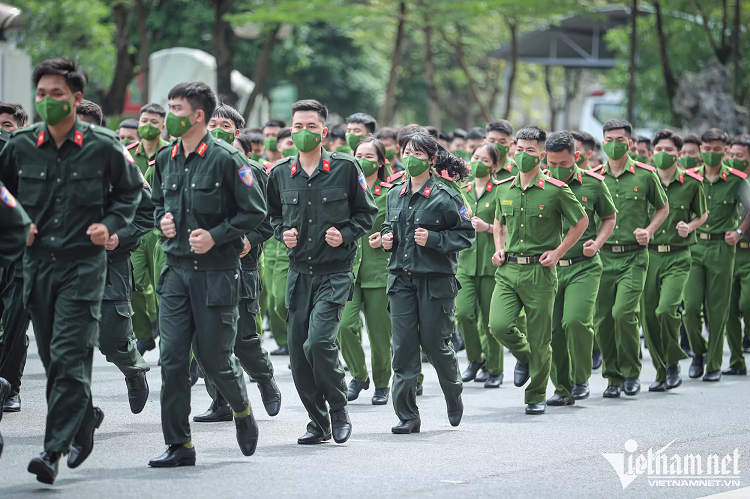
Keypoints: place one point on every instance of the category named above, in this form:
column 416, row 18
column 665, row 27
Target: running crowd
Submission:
column 188, row 227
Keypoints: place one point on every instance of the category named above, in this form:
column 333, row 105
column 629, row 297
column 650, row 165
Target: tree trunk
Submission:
column 261, row 70
column 633, row 58
column 722, row 52
column 670, row 82
column 429, row 77
column 552, row 101
column 114, row 100
column 473, row 87
column 224, row 46
column 513, row 66
column 736, row 51
column 386, row 110
column 144, row 38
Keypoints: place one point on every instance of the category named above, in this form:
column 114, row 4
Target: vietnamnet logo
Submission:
column 662, row 470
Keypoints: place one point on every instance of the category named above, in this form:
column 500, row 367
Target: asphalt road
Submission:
column 497, row 451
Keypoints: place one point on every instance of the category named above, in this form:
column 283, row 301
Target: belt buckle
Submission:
column 564, row 263
column 663, row 248
column 618, row 249
column 705, row 236
column 744, row 245
column 522, row 260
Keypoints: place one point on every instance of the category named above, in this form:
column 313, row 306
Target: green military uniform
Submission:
column 709, row 286
column 739, row 307
column 247, row 348
column 116, row 339
column 577, row 286
column 422, row 286
column 212, row 189
column 14, row 223
column 477, row 277
column 276, row 271
column 144, row 298
column 534, row 221
column 320, row 278
column 86, row 180
column 624, row 270
column 668, row 270
column 509, row 169
column 369, row 296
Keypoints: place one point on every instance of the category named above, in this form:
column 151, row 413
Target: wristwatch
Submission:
column 740, row 233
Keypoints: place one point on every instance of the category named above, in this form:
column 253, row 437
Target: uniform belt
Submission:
column 705, row 236
column 623, row 248
column 118, row 257
column 744, row 245
column 202, row 264
column 571, row 261
column 330, row 268
column 524, row 260
column 63, row 256
column 666, row 248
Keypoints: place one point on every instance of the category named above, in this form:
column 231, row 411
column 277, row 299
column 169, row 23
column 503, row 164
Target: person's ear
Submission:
column 236, row 133
column 77, row 98
column 542, row 155
column 578, row 155
column 325, row 132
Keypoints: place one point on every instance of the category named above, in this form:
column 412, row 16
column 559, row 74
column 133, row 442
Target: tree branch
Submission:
column 704, row 22
column 473, row 88
column 261, row 70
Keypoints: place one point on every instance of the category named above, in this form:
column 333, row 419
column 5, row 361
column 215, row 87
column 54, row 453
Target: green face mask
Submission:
column 561, row 173
column 390, row 154
column 580, row 160
column 306, row 141
column 664, row 161
column 615, row 150
column 292, row 151
column 344, row 149
column 227, row 137
column 639, row 158
column 148, row 131
column 712, row 159
column 352, row 140
column 689, row 162
column 526, row 162
column 479, row 169
column 738, row 164
column 415, row 166
column 177, row 126
column 369, row 168
column 463, row 154
column 255, row 157
column 504, row 150
column 270, row 144
column 125, row 142
column 52, row 111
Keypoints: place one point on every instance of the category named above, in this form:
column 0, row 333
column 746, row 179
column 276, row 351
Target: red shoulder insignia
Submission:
column 386, row 185
column 555, row 182
column 395, row 176
column 540, row 183
column 78, row 138
column 591, row 173
column 692, row 173
column 202, row 149
column 376, row 190
column 426, row 192
column 468, row 187
column 489, row 187
column 174, row 149
column 40, row 139
column 403, row 189
column 152, row 162
column 738, row 172
column 506, row 179
column 294, row 169
column 130, row 146
column 597, row 169
column 644, row 166
column 326, row 166
column 682, row 178
column 137, row 149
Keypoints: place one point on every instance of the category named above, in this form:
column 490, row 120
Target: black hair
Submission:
column 476, row 133
column 230, row 113
column 645, row 140
column 443, row 136
column 337, row 132
column 129, row 123
column 445, row 161
column 380, row 149
column 586, row 140
column 458, row 133
column 283, row 133
column 15, row 111
column 617, row 124
column 154, row 108
column 560, row 141
column 254, row 137
column 245, row 142
column 714, row 134
column 311, row 105
column 277, row 123
column 75, row 77
column 668, row 135
column 741, row 140
column 535, row 133
column 502, row 126
column 386, row 133
column 91, row 113
column 364, row 118
column 406, row 133
column 198, row 94
column 692, row 138
column 433, row 131
column 252, row 130
column 491, row 149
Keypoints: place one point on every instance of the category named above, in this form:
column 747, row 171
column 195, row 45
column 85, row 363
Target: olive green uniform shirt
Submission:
column 144, row 162
column 263, row 232
column 633, row 192
column 509, row 169
column 723, row 197
column 477, row 260
column 214, row 189
column 90, row 179
column 591, row 191
column 372, row 270
column 438, row 209
column 14, row 228
column 686, row 202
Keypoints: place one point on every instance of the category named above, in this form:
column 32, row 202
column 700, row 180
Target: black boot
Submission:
column 45, row 467
column 581, row 392
column 520, row 374
column 380, row 397
column 673, row 376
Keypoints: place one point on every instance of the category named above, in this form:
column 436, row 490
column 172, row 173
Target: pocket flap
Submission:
column 442, row 288
column 290, row 197
column 333, row 194
column 33, row 171
column 427, row 218
column 85, row 174
column 124, row 309
column 205, row 182
column 170, row 183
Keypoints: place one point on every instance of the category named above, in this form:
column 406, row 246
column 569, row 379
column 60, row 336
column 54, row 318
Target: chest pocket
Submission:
column 87, row 187
column 291, row 211
column 31, row 184
column 635, row 198
column 510, row 214
column 206, row 192
column 335, row 204
column 429, row 220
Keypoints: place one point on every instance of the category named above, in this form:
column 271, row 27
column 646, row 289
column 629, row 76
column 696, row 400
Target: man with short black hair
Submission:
column 389, row 137
column 457, row 141
column 586, row 146
column 90, row 193
column 643, row 150
column 128, row 132
column 500, row 133
column 270, row 130
column 690, row 154
column 474, row 137
column 12, row 117
column 320, row 205
column 90, row 112
column 359, row 126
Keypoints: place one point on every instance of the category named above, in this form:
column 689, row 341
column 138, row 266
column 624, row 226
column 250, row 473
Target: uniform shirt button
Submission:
column 309, row 185
column 407, row 223
column 174, row 185
column 309, row 268
column 521, row 240
column 617, row 195
column 309, row 221
column 664, row 232
column 187, row 211
column 186, row 169
column 216, row 184
column 617, row 226
column 192, row 185
column 682, row 206
column 195, row 262
column 635, row 197
column 521, row 209
column 616, row 242
column 410, row 207
column 709, row 197
column 309, row 258
column 325, row 199
column 521, row 225
column 309, row 203
column 51, row 238
column 56, row 220
column 309, row 238
column 195, row 267
column 417, row 220
column 59, row 180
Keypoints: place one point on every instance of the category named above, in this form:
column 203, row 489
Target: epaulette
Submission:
column 740, row 174
column 227, row 147
column 693, row 169
column 644, row 166
column 37, row 127
column 692, row 173
column 395, row 176
column 341, row 155
column 104, row 131
column 591, row 173
column 506, row 179
column 555, row 182
column 130, row 146
column 596, row 170
column 386, row 185
column 467, row 186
